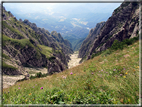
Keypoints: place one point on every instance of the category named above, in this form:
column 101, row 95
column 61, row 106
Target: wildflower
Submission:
column 41, row 88
column 26, row 100
column 19, row 88
column 126, row 73
column 74, row 74
column 106, row 72
column 102, row 70
column 123, row 68
column 124, row 76
column 30, row 94
column 71, row 73
column 33, row 87
column 99, row 71
column 137, row 66
column 126, row 55
column 121, row 100
column 128, row 100
column 64, row 77
column 92, row 73
column 36, row 84
column 33, row 99
column 114, row 70
column 120, row 74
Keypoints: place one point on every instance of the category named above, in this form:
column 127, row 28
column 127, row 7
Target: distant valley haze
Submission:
column 72, row 20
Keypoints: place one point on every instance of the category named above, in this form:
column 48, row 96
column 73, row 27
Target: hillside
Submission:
column 110, row 78
column 123, row 24
column 26, row 45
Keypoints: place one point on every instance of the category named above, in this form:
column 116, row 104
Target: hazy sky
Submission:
column 51, row 8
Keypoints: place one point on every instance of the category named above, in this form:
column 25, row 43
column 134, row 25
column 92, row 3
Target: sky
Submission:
column 35, row 7
column 66, row 8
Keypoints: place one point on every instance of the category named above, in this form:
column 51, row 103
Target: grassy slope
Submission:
column 46, row 50
column 104, row 79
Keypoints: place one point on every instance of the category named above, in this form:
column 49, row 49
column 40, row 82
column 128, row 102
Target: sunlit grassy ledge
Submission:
column 105, row 79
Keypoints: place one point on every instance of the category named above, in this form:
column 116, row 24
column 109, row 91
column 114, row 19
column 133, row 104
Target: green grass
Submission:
column 111, row 79
column 6, row 66
column 16, row 31
column 16, row 42
column 46, row 50
column 5, row 56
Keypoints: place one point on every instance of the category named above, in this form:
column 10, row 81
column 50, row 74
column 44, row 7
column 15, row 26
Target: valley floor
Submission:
column 74, row 60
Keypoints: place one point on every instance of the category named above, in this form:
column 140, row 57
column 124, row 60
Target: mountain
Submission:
column 123, row 24
column 26, row 45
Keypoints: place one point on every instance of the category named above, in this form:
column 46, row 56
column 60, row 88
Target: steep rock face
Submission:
column 87, row 43
column 24, row 44
column 28, row 55
column 55, row 65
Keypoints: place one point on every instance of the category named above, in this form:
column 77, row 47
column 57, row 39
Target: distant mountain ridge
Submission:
column 26, row 45
column 124, row 23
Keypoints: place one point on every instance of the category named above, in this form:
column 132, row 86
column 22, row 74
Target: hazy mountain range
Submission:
column 72, row 20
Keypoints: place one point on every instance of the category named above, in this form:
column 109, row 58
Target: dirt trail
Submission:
column 74, row 60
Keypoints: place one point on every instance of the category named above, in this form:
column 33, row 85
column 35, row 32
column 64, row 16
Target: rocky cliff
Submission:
column 124, row 23
column 26, row 45
column 87, row 43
